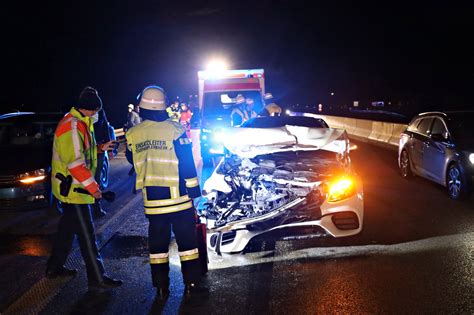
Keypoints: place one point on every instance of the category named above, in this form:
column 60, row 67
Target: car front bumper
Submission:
column 338, row 219
column 25, row 197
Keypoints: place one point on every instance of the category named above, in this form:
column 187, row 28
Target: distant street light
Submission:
column 332, row 93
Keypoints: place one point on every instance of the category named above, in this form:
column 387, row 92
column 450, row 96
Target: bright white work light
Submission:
column 215, row 68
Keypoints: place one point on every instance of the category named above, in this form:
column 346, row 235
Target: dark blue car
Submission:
column 26, row 140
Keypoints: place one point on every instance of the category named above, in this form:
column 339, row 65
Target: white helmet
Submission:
column 267, row 96
column 130, row 106
column 239, row 99
column 153, row 98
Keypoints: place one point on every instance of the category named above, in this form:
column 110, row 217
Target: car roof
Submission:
column 32, row 114
column 8, row 115
column 445, row 113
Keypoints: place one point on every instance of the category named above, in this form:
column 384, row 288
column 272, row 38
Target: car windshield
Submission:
column 28, row 130
column 280, row 121
column 461, row 125
column 221, row 103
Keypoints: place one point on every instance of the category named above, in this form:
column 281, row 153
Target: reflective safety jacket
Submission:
column 186, row 116
column 238, row 116
column 174, row 114
column 164, row 165
column 75, row 154
column 273, row 109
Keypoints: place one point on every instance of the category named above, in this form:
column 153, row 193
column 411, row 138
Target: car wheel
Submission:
column 405, row 165
column 104, row 174
column 455, row 182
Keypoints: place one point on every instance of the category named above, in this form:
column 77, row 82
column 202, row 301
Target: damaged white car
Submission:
column 282, row 172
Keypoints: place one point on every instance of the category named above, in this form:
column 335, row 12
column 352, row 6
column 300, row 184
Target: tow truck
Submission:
column 218, row 91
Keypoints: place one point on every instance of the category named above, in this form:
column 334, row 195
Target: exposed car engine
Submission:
column 250, row 188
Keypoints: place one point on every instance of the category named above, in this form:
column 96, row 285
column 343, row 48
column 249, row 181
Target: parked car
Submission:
column 26, row 143
column 439, row 146
column 26, row 140
column 282, row 173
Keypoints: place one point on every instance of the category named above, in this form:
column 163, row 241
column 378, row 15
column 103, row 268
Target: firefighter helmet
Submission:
column 153, row 98
column 239, row 99
column 267, row 96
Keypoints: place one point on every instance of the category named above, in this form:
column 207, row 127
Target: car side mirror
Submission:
column 438, row 137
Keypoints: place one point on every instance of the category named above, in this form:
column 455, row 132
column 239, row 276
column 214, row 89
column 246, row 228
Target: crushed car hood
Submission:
column 251, row 142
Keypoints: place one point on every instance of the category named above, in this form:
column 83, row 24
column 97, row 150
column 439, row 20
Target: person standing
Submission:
column 133, row 117
column 173, row 111
column 162, row 156
column 102, row 135
column 242, row 112
column 185, row 118
column 271, row 108
column 73, row 184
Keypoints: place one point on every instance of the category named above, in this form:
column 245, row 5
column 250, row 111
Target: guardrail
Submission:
column 378, row 132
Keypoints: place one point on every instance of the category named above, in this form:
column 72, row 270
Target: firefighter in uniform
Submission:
column 242, row 112
column 271, row 108
column 73, row 184
column 162, row 156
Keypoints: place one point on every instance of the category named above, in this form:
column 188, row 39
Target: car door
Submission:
column 420, row 136
column 435, row 151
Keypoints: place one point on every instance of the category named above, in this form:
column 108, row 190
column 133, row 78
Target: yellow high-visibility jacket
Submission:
column 174, row 115
column 75, row 154
column 164, row 165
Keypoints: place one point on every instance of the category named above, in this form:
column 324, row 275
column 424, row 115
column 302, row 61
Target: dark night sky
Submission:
column 51, row 52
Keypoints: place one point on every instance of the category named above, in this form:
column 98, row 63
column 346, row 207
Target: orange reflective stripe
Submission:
column 82, row 127
column 92, row 187
column 76, row 163
column 64, row 125
column 69, row 123
column 88, row 181
column 62, row 129
column 81, row 173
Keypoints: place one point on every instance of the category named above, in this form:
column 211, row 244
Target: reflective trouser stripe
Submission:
column 174, row 192
column 168, row 209
column 164, row 202
column 192, row 182
column 161, row 258
column 189, row 255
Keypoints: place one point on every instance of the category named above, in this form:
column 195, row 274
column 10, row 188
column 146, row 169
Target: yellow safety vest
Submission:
column 243, row 114
column 75, row 154
column 156, row 163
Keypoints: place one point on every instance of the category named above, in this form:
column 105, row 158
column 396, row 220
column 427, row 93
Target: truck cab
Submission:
column 217, row 97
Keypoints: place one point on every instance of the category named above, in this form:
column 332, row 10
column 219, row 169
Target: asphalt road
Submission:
column 415, row 255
